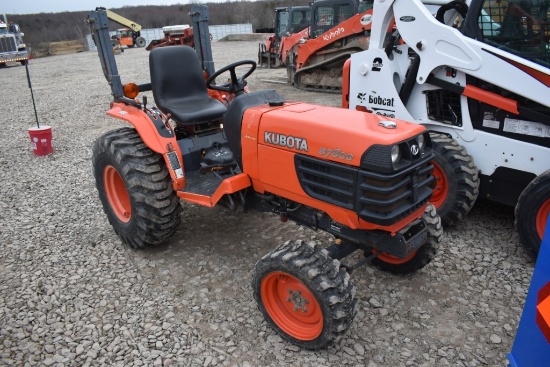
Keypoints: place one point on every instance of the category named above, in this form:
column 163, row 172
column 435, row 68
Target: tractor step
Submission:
column 202, row 184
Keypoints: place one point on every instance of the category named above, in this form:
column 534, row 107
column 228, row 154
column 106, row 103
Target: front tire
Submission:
column 532, row 211
column 304, row 294
column 456, row 179
column 135, row 189
column 419, row 258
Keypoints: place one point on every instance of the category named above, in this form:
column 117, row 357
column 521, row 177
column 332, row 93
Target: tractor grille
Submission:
column 327, row 181
column 387, row 198
column 444, row 106
column 7, row 44
column 378, row 198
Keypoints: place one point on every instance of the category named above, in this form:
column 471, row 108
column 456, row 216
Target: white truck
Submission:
column 12, row 47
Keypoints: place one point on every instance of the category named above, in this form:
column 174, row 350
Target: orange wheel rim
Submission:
column 292, row 306
column 117, row 194
column 391, row 259
column 441, row 188
column 542, row 217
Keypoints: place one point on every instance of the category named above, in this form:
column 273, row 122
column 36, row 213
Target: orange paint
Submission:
column 150, row 136
column 544, row 310
column 491, row 98
column 228, row 186
column 314, row 46
column 301, row 318
column 345, row 83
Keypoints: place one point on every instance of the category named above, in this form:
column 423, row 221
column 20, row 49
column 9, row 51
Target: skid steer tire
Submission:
column 456, row 184
column 421, row 257
column 135, row 189
column 304, row 294
column 531, row 213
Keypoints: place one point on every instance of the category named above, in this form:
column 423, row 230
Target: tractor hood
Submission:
column 331, row 133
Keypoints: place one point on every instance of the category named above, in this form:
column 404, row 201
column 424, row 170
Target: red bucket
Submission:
column 41, row 140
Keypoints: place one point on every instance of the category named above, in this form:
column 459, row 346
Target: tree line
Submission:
column 66, row 26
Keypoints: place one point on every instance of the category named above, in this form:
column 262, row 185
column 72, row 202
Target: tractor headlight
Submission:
column 421, row 142
column 395, row 154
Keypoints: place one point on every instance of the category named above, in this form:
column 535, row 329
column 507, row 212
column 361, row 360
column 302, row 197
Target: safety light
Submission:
column 130, row 90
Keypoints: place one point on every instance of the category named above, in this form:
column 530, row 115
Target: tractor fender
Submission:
column 156, row 135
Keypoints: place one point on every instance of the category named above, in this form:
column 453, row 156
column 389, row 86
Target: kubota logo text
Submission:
column 291, row 142
column 331, row 35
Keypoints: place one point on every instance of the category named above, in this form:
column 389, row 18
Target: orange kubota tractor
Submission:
column 291, row 25
column 361, row 177
column 338, row 28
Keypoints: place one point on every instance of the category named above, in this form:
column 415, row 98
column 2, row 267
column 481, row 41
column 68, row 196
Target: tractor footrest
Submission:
column 202, row 184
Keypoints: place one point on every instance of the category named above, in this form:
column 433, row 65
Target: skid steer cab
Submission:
column 363, row 178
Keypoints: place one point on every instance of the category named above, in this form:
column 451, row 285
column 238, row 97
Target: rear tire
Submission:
column 140, row 42
column 304, row 294
column 421, row 257
column 456, row 179
column 135, row 189
column 532, row 211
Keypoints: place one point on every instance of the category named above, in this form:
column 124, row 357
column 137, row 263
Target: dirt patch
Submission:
column 59, row 48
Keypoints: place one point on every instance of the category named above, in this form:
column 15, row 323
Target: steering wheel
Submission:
column 236, row 85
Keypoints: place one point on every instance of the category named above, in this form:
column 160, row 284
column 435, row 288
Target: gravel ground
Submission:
column 71, row 294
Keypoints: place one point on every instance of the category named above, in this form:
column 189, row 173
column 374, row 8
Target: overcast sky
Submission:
column 55, row 6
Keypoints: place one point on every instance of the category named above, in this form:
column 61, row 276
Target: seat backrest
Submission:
column 176, row 73
column 232, row 120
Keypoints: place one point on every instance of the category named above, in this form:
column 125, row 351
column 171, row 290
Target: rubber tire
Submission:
column 323, row 277
column 534, row 199
column 24, row 62
column 460, row 176
column 424, row 255
column 155, row 207
column 140, row 42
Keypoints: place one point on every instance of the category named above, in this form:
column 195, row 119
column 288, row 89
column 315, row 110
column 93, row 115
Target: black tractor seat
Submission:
column 179, row 88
